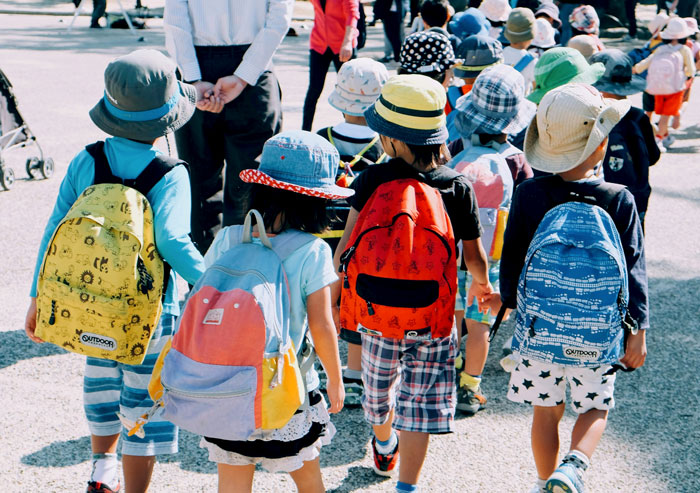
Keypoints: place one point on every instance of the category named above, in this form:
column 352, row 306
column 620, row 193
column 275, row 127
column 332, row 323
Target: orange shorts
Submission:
column 668, row 104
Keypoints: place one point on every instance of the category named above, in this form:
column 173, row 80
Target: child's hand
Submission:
column 336, row 396
column 482, row 293
column 636, row 350
column 30, row 322
column 494, row 304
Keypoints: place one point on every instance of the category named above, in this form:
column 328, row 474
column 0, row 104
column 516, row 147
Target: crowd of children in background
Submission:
column 489, row 130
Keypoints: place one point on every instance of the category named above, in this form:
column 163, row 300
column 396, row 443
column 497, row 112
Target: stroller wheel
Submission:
column 31, row 164
column 47, row 167
column 7, row 178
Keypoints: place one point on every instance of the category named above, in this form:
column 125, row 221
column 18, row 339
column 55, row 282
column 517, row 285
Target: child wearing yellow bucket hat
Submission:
column 409, row 116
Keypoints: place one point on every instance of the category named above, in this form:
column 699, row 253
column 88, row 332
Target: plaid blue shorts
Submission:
column 110, row 387
column 472, row 312
column 416, row 378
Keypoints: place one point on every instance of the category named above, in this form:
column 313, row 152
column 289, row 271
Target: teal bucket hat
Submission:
column 560, row 66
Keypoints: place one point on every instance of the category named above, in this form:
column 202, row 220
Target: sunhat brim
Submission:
column 464, row 72
column 151, row 129
column 332, row 192
column 634, row 86
column 412, row 136
column 591, row 75
column 559, row 162
column 681, row 35
column 556, row 20
column 471, row 120
column 353, row 108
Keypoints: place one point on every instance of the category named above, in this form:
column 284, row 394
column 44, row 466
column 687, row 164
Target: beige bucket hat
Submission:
column 571, row 122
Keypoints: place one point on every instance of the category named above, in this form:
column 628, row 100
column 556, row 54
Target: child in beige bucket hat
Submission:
column 568, row 138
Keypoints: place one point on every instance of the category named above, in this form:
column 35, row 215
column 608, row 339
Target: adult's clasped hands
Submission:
column 213, row 97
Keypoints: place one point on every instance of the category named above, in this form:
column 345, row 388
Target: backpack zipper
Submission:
column 208, row 395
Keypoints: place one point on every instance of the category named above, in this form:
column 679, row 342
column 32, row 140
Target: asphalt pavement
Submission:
column 652, row 441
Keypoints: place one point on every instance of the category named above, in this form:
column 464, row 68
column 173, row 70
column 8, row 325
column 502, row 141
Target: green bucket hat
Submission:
column 560, row 66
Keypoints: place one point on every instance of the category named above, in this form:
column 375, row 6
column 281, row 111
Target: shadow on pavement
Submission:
column 60, row 454
column 357, row 479
column 191, row 457
column 15, row 346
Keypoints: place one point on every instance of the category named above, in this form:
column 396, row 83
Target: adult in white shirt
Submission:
column 225, row 48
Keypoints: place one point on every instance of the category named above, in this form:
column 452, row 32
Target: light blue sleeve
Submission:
column 80, row 175
column 317, row 271
column 171, row 203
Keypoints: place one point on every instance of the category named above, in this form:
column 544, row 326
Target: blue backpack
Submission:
column 573, row 292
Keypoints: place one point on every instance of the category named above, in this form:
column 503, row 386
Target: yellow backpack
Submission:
column 102, row 280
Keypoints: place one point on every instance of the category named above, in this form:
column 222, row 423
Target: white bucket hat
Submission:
column 676, row 29
column 658, row 23
column 571, row 122
column 692, row 24
column 359, row 85
column 544, row 34
column 495, row 10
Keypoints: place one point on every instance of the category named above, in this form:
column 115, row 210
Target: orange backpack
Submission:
column 400, row 269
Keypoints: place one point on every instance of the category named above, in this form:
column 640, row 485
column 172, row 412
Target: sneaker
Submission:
column 537, row 489
column 385, row 464
column 470, row 402
column 660, row 145
column 506, row 349
column 97, row 487
column 566, row 479
column 353, row 392
column 668, row 141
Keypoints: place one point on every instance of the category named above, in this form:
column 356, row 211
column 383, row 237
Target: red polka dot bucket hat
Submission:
column 300, row 162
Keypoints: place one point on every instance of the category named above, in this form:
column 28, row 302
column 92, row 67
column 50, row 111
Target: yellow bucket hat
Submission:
column 411, row 108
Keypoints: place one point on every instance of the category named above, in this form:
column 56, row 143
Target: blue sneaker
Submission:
column 566, row 479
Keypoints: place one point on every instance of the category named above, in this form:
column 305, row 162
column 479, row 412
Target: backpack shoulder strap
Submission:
column 523, row 62
column 289, row 242
column 610, row 191
column 153, row 173
column 453, row 94
column 103, row 173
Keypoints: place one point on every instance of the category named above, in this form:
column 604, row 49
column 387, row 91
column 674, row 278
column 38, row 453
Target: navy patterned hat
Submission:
column 426, row 53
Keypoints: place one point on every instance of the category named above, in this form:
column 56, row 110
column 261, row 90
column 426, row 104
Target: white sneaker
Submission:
column 668, row 141
column 660, row 145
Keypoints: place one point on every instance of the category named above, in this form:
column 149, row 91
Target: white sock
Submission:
column 105, row 469
column 388, row 446
column 578, row 459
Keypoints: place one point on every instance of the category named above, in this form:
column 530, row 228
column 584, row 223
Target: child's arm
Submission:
column 688, row 62
column 643, row 65
column 318, row 309
column 636, row 350
column 478, row 266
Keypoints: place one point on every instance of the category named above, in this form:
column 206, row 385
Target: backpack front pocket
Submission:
column 210, row 400
column 398, row 293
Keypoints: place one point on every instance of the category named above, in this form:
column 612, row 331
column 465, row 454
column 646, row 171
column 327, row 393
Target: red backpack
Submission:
column 400, row 268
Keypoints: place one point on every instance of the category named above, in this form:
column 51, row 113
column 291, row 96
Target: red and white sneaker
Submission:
column 385, row 464
column 97, row 487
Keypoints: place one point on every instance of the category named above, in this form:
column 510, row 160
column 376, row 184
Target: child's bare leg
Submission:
column 413, row 447
column 235, row 479
column 137, row 472
column 384, row 431
column 308, row 479
column 545, row 438
column 477, row 348
column 354, row 357
column 663, row 125
column 104, row 444
column 588, row 431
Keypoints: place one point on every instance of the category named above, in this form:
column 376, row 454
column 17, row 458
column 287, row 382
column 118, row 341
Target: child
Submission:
column 668, row 88
column 584, row 44
column 656, row 25
column 632, row 148
column 293, row 185
column 469, row 22
column 561, row 66
column 550, row 12
column 694, row 46
column 134, row 84
column 544, row 38
column 584, row 21
column 476, row 53
column 423, row 406
column 494, row 108
column 496, row 11
column 520, row 31
column 359, row 83
column 578, row 116
column 434, row 15
column 428, row 53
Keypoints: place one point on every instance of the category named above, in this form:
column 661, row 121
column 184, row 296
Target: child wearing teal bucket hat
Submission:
column 560, row 66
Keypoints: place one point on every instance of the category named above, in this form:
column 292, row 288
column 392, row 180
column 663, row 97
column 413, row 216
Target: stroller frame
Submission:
column 18, row 137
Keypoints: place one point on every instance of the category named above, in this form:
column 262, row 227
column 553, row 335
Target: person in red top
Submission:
column 333, row 39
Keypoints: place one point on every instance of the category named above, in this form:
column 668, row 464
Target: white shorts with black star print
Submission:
column 544, row 384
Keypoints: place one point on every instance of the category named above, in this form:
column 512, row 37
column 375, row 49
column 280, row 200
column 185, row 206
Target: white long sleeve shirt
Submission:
column 260, row 23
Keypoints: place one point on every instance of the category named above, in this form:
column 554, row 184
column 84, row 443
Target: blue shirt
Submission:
column 170, row 200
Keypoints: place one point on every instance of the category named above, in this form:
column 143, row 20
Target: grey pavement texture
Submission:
column 652, row 441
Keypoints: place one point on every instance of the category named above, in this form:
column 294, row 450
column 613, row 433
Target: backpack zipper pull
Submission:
column 346, row 283
column 52, row 318
column 532, row 327
column 370, row 308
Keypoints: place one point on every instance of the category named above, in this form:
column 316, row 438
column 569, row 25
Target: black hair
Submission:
column 429, row 156
column 497, row 23
column 295, row 210
column 438, row 76
column 485, row 139
column 434, row 12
